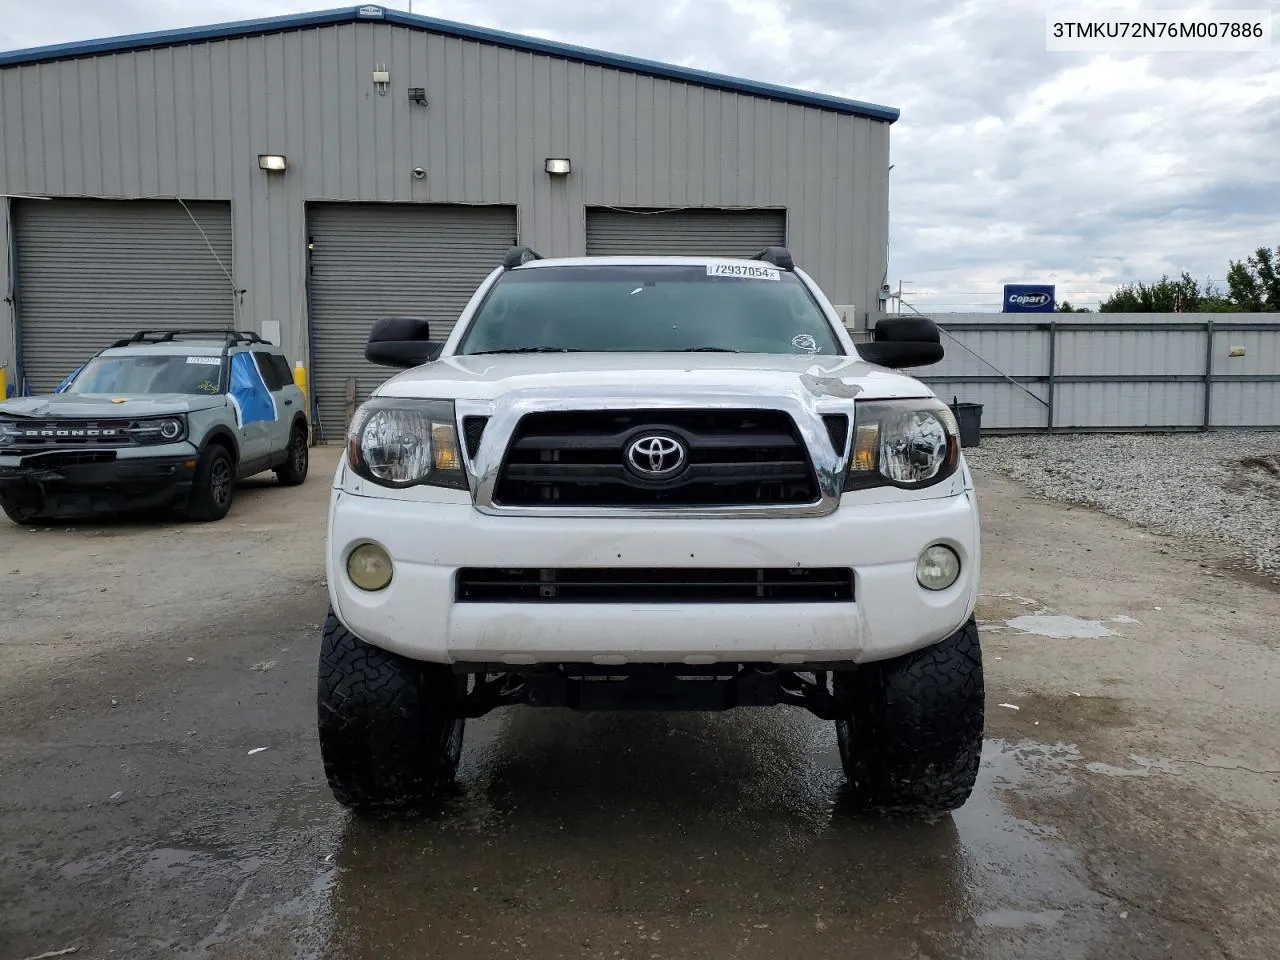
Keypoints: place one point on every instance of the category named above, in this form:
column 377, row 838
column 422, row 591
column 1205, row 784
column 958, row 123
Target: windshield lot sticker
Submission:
column 805, row 342
column 748, row 271
column 208, row 361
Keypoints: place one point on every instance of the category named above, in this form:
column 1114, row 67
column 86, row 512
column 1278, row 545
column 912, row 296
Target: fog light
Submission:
column 938, row 567
column 369, row 567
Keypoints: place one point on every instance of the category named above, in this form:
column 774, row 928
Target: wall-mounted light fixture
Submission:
column 558, row 166
column 274, row 162
column 381, row 79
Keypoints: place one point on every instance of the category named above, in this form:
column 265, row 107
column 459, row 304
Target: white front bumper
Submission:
column 428, row 541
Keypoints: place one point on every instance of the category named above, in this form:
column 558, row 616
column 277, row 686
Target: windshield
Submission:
column 166, row 373
column 650, row 308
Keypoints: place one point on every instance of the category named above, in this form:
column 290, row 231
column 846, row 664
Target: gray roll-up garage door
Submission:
column 92, row 271
column 372, row 260
column 684, row 233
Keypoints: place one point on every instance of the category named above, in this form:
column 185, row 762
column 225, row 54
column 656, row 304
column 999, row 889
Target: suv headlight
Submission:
column 902, row 443
column 403, row 443
column 8, row 432
column 169, row 429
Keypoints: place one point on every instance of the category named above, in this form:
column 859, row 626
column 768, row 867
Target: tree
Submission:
column 1181, row 295
column 1163, row 296
column 1066, row 307
column 1254, row 283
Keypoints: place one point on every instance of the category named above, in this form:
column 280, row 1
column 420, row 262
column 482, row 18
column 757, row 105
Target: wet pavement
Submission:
column 163, row 797
column 148, row 828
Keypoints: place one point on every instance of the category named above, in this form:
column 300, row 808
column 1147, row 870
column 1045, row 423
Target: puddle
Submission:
column 1009, row 611
column 685, row 823
column 1061, row 627
column 691, row 825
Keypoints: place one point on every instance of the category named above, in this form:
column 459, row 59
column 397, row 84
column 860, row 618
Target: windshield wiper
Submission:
column 479, row 353
column 703, row 350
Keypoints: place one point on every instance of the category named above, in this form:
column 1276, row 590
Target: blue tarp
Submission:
column 62, row 387
column 253, row 401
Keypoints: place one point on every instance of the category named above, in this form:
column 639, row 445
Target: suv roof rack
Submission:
column 518, row 256
column 780, row 257
column 229, row 338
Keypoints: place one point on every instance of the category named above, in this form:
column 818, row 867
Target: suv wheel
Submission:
column 213, row 486
column 390, row 736
column 21, row 515
column 294, row 469
column 912, row 737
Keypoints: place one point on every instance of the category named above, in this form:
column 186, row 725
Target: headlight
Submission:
column 902, row 443
column 8, row 432
column 402, row 443
column 160, row 430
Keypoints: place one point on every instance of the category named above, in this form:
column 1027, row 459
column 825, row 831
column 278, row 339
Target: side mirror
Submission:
column 903, row 342
column 401, row 342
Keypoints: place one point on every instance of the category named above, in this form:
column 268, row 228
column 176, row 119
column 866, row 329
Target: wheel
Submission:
column 214, row 485
column 294, row 470
column 21, row 515
column 390, row 737
column 912, row 739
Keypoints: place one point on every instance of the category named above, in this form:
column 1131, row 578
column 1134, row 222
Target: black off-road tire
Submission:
column 214, row 484
column 21, row 515
column 294, row 469
column 390, row 736
column 912, row 740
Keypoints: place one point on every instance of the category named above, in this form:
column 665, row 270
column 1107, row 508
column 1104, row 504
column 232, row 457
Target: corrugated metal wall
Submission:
column 190, row 121
column 8, row 328
column 97, row 270
column 372, row 260
column 684, row 233
column 1111, row 371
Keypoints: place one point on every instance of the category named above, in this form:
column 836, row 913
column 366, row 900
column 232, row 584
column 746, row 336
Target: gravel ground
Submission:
column 1219, row 487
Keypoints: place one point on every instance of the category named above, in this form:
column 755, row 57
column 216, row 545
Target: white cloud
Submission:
column 1011, row 163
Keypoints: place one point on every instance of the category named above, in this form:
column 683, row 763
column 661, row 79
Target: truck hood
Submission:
column 96, row 406
column 493, row 376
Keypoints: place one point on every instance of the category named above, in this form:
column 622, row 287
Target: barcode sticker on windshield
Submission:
column 748, row 270
column 208, row 361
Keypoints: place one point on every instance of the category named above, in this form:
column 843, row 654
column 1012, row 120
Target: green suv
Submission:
column 166, row 419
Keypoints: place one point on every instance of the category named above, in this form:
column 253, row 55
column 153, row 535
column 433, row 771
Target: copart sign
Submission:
column 1028, row 298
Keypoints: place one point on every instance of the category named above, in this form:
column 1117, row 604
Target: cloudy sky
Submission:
column 1011, row 164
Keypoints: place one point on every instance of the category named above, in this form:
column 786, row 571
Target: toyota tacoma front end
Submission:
column 652, row 483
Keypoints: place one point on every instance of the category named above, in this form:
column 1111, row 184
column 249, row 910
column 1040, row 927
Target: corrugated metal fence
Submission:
column 1114, row 371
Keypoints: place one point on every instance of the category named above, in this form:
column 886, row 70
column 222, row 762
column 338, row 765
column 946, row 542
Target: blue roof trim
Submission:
column 375, row 14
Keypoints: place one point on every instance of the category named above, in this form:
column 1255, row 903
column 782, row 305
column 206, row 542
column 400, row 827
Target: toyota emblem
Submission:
column 656, row 456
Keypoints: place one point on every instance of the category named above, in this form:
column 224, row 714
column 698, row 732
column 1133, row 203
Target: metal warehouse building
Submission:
column 301, row 176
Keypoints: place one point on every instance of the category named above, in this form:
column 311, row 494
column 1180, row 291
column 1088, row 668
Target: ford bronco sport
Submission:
column 162, row 419
column 652, row 483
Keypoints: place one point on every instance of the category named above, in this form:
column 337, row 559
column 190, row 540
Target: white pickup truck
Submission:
column 663, row 483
